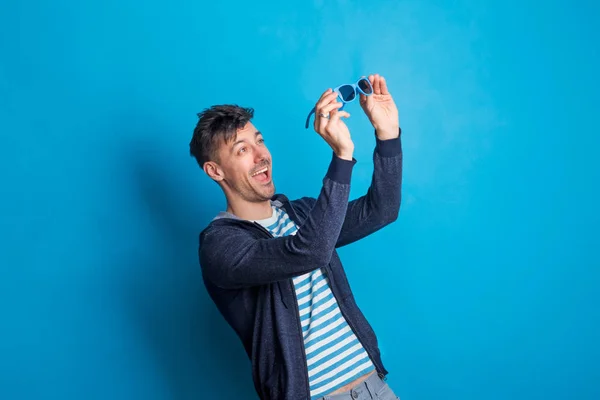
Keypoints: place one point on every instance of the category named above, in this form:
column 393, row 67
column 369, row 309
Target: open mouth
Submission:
column 262, row 175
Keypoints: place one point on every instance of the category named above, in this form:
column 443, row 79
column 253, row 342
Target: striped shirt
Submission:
column 334, row 354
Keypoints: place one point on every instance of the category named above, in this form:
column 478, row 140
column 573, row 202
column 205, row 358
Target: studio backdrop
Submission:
column 486, row 287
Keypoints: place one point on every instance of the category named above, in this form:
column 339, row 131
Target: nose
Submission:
column 260, row 154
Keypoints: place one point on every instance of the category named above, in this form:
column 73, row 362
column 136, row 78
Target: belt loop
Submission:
column 374, row 385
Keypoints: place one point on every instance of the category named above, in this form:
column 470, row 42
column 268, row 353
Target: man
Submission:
column 270, row 263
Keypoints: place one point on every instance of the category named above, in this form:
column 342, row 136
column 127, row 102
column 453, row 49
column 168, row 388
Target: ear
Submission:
column 213, row 170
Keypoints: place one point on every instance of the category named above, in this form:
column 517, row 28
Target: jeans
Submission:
column 373, row 388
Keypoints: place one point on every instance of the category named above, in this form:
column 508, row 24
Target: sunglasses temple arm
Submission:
column 309, row 115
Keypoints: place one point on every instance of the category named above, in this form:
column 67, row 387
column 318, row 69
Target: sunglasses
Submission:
column 348, row 93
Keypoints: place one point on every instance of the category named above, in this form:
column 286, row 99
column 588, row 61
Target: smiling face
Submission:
column 243, row 168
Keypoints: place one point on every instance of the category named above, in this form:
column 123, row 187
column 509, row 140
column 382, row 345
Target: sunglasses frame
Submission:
column 354, row 87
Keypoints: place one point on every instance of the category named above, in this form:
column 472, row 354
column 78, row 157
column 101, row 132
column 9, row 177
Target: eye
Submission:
column 242, row 149
column 261, row 140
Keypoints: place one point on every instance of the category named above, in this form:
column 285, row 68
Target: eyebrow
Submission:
column 243, row 140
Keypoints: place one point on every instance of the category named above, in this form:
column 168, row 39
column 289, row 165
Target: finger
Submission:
column 327, row 109
column 368, row 99
column 383, row 85
column 361, row 96
column 335, row 116
column 325, row 93
column 321, row 124
column 330, row 107
column 362, row 99
column 327, row 99
column 323, row 97
column 377, row 85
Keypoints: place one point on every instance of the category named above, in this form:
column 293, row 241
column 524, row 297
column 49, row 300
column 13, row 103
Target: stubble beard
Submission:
column 255, row 194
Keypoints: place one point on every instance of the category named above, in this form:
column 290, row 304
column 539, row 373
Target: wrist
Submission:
column 345, row 155
column 386, row 133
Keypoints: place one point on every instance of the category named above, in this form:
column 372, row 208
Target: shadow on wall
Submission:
column 195, row 350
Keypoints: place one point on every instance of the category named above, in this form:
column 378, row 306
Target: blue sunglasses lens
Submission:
column 347, row 93
column 365, row 86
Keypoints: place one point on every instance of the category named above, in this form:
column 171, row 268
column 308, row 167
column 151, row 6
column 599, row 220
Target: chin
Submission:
column 270, row 191
column 263, row 191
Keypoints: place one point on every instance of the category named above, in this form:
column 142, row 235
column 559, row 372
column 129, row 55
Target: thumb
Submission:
column 363, row 100
column 366, row 102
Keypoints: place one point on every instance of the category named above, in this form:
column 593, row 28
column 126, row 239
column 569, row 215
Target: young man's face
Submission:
column 241, row 160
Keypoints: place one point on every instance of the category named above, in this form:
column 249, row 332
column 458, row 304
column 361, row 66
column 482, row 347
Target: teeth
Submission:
column 260, row 171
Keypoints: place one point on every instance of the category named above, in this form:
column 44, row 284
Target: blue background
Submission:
column 485, row 288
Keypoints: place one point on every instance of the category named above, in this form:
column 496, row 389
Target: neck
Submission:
column 250, row 211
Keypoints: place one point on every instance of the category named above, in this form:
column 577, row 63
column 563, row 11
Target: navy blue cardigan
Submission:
column 247, row 271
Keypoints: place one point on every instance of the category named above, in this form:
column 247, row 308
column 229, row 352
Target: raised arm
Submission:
column 381, row 204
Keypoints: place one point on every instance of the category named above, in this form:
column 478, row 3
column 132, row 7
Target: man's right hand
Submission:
column 333, row 129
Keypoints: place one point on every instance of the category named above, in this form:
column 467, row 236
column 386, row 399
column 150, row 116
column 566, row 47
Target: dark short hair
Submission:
column 217, row 124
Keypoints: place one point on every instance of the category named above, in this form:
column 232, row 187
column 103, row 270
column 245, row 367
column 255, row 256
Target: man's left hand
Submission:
column 381, row 109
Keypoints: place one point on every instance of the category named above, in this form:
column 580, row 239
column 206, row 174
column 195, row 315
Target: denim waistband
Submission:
column 372, row 385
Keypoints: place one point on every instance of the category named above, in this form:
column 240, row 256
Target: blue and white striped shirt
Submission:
column 334, row 354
